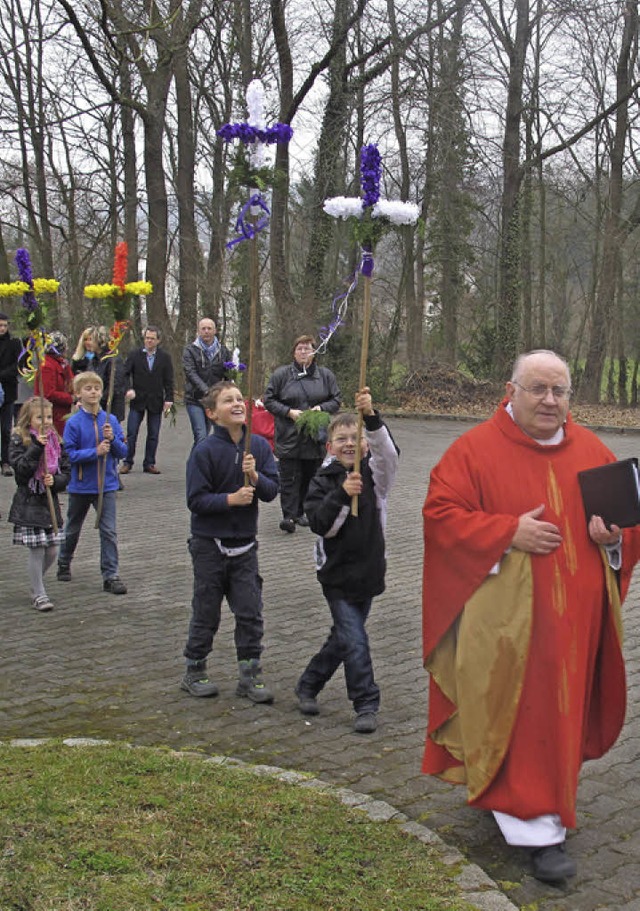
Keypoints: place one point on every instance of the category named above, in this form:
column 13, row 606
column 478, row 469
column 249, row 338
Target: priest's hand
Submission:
column 600, row 534
column 534, row 536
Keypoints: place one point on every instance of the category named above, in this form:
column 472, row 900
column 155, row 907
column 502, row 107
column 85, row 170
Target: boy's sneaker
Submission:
column 42, row 603
column 197, row 683
column 308, row 705
column 288, row 525
column 116, row 586
column 251, row 683
column 365, row 723
column 64, row 573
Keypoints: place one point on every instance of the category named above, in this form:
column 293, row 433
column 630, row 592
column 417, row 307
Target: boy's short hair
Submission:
column 84, row 379
column 210, row 399
column 341, row 420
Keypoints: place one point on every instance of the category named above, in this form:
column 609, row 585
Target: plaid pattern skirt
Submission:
column 36, row 537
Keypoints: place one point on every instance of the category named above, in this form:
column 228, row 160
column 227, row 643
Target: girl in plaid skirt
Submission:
column 39, row 462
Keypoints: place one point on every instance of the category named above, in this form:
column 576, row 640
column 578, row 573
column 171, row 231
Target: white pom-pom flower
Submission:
column 255, row 104
column 343, row 207
column 398, row 213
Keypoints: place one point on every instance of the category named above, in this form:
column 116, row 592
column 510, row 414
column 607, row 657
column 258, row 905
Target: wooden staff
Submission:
column 364, row 354
column 102, row 461
column 50, row 504
column 254, row 268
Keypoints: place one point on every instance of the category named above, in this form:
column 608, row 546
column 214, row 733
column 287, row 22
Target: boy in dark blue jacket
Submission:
column 224, row 484
column 94, row 445
column 350, row 556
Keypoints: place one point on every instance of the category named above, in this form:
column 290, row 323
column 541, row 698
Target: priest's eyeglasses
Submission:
column 539, row 390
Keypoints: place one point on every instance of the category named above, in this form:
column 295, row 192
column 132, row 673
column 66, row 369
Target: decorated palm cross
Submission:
column 254, row 214
column 31, row 290
column 118, row 297
column 373, row 217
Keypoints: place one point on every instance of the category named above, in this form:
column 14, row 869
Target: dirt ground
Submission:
column 441, row 390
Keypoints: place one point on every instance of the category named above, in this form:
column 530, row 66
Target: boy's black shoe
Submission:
column 116, row 586
column 197, row 683
column 308, row 705
column 288, row 525
column 64, row 573
column 365, row 723
column 552, row 864
column 302, row 521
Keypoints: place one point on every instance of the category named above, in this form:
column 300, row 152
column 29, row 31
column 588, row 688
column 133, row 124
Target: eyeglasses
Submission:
column 539, row 390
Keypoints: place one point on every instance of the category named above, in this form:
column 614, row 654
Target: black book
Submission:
column 613, row 492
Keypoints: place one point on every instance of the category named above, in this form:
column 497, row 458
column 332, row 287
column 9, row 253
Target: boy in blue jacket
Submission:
column 94, row 445
column 224, row 484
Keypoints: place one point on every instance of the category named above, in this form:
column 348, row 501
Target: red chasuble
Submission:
column 527, row 676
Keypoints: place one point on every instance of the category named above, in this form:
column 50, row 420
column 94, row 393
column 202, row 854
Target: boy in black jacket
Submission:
column 224, row 522
column 350, row 556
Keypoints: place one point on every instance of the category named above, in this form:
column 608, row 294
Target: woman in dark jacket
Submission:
column 293, row 389
column 85, row 355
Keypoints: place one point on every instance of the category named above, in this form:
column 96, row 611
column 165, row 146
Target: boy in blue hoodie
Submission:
column 224, row 484
column 94, row 445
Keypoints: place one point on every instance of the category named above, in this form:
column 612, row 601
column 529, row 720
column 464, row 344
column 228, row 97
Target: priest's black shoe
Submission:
column 552, row 864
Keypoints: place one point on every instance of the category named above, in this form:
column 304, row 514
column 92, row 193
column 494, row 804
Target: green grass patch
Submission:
column 109, row 828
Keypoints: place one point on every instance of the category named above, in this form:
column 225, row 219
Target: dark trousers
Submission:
column 295, row 476
column 6, row 419
column 347, row 644
column 214, row 577
column 153, row 435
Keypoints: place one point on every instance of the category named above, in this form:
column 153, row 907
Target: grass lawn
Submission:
column 111, row 828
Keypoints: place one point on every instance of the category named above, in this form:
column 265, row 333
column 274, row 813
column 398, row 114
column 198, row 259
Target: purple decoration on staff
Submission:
column 23, row 262
column 370, row 174
column 246, row 229
column 279, row 132
column 367, row 264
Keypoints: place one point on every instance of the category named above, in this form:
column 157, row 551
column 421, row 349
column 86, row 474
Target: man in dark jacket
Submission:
column 9, row 353
column 203, row 364
column 149, row 376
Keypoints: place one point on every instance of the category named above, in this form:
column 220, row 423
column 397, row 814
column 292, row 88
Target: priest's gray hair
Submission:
column 520, row 360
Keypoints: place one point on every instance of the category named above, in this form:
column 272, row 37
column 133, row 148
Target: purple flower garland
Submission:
column 370, row 174
column 279, row 132
column 23, row 262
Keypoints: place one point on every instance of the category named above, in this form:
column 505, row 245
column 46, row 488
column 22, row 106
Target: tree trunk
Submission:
column 508, row 316
column 614, row 233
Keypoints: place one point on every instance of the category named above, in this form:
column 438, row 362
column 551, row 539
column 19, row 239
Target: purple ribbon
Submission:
column 247, row 229
column 366, row 266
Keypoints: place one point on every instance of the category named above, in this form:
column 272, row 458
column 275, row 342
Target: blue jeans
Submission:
column 79, row 504
column 200, row 423
column 153, row 435
column 214, row 577
column 347, row 644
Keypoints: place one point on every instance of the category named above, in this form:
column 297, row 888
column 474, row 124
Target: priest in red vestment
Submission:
column 521, row 612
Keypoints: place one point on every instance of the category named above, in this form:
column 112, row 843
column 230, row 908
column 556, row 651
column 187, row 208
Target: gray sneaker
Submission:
column 365, row 723
column 251, row 683
column 197, row 683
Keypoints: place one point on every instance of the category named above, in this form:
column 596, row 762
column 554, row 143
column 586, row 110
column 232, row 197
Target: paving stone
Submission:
column 104, row 668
